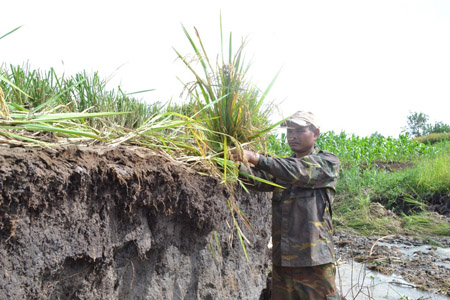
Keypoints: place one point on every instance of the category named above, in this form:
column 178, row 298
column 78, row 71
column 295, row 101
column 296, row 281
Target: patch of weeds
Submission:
column 426, row 223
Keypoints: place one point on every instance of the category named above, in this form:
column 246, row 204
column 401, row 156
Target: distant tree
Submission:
column 440, row 127
column 417, row 124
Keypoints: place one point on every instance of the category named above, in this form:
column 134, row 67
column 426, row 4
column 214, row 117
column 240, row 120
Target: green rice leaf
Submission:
column 46, row 127
column 268, row 129
column 17, row 28
column 16, row 106
column 20, row 137
column 72, row 116
column 238, row 230
column 139, row 92
column 13, row 85
column 261, row 180
column 225, row 152
column 264, row 95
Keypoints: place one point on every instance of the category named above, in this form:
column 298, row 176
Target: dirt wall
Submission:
column 123, row 223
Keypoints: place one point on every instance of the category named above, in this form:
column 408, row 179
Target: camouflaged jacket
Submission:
column 301, row 211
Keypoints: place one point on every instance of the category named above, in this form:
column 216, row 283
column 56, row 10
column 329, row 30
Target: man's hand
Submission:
column 245, row 155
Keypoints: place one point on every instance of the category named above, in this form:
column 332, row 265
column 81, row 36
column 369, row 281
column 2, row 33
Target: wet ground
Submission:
column 393, row 267
column 357, row 282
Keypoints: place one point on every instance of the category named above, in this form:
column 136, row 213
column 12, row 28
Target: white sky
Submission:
column 360, row 66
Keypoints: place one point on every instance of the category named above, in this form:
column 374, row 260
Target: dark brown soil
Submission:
column 122, row 223
column 391, row 166
column 440, row 204
column 126, row 177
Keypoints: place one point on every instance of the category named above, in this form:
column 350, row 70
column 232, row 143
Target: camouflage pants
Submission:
column 308, row 283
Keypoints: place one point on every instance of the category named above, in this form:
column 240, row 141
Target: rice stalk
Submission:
column 155, row 123
column 47, row 104
column 15, row 137
column 4, row 110
column 238, row 230
column 35, row 90
column 2, row 78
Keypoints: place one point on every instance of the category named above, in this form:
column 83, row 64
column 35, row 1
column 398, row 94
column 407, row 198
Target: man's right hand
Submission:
column 245, row 155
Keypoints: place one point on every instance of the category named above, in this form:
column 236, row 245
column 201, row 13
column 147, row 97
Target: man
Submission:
column 303, row 250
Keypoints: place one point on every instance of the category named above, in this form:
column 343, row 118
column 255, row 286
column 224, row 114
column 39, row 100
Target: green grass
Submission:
column 405, row 192
column 400, row 174
column 433, row 175
column 426, row 223
column 434, row 138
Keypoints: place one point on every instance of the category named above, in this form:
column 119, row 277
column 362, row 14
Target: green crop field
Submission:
column 402, row 176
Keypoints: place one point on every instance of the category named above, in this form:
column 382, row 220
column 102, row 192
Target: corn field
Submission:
column 356, row 150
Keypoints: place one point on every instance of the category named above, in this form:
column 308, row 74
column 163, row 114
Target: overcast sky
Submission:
column 360, row 66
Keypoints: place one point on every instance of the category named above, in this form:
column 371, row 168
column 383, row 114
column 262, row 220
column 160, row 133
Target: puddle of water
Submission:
column 408, row 252
column 359, row 283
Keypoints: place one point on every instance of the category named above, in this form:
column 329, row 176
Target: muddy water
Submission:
column 373, row 285
column 442, row 255
column 357, row 282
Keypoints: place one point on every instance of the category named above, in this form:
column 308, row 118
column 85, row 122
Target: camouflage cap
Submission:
column 302, row 118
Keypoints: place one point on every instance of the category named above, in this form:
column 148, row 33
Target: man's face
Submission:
column 301, row 139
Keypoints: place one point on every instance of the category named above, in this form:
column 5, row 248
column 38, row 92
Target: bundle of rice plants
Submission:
column 233, row 109
column 233, row 112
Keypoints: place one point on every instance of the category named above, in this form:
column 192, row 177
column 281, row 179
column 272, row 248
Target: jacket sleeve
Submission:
column 317, row 170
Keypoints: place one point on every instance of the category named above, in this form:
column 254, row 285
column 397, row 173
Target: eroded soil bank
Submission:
column 122, row 223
